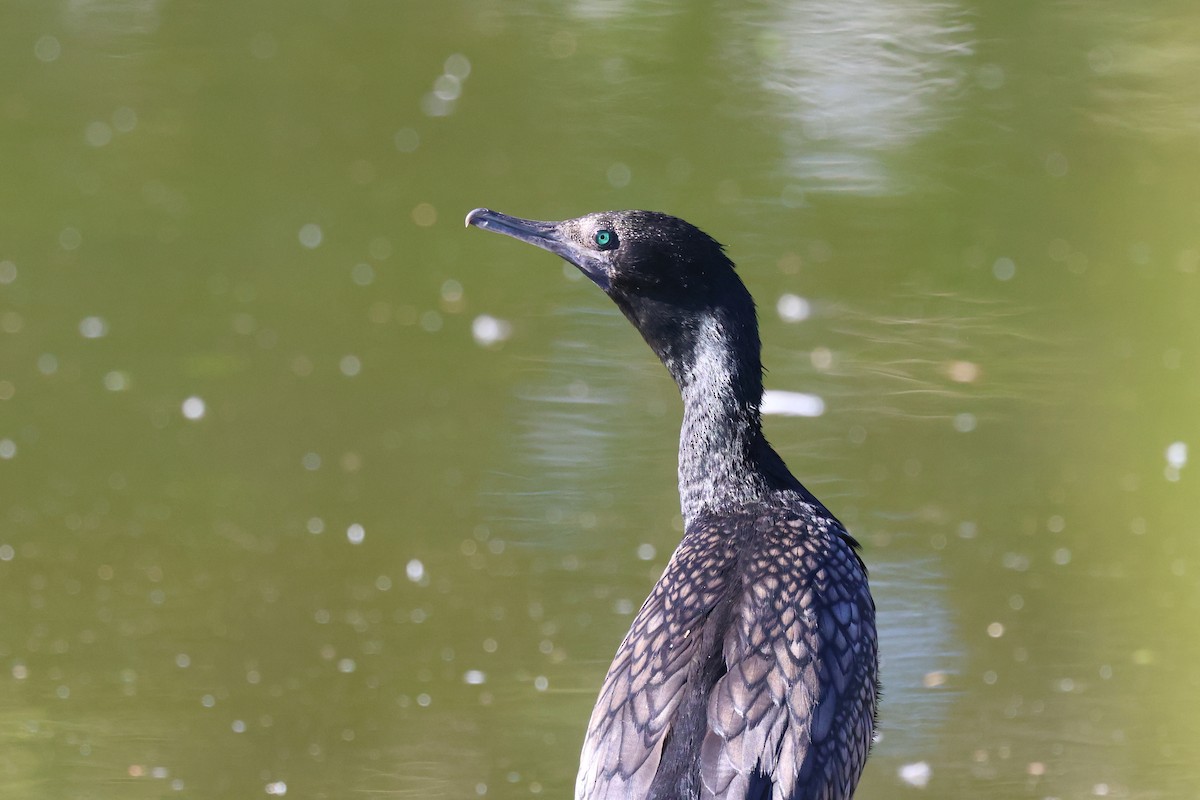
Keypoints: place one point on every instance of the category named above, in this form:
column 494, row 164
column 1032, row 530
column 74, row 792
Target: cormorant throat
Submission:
column 721, row 446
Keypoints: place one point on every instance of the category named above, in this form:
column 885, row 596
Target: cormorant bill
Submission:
column 750, row 673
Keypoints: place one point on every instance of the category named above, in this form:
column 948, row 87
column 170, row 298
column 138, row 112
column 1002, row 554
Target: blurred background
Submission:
column 306, row 489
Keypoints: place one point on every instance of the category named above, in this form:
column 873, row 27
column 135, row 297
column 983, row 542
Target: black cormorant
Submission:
column 751, row 670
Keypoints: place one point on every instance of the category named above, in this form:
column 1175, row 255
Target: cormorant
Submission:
column 751, row 670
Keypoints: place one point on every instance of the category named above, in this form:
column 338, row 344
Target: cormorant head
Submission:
column 672, row 280
column 625, row 252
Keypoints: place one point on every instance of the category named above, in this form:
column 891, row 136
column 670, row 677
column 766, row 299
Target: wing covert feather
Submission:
column 796, row 705
column 781, row 605
column 647, row 678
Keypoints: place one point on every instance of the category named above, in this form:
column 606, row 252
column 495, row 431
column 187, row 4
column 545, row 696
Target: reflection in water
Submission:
column 601, row 9
column 938, row 362
column 1143, row 72
column 856, row 83
column 918, row 653
column 111, row 17
column 566, row 426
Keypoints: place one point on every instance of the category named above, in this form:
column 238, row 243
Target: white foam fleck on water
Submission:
column 1004, row 269
column 916, row 774
column 116, row 381
column 792, row 404
column 47, row 49
column 193, row 408
column 793, row 308
column 93, row 327
column 1177, row 454
column 447, row 87
column 98, row 133
column 415, row 570
column 489, row 330
column 458, row 65
column 311, row 235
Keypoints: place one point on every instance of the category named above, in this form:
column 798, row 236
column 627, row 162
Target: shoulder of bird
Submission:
column 754, row 657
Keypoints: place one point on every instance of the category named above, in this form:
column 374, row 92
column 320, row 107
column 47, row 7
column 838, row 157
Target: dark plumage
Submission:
column 751, row 670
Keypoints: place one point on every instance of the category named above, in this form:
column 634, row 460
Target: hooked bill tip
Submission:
column 473, row 216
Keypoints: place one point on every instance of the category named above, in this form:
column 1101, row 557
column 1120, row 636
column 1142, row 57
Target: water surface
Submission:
column 306, row 489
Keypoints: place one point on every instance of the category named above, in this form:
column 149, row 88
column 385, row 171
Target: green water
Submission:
column 276, row 516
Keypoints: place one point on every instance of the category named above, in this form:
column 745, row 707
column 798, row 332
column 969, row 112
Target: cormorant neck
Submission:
column 723, row 457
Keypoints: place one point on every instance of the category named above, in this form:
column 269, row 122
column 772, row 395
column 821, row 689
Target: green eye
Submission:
column 605, row 239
